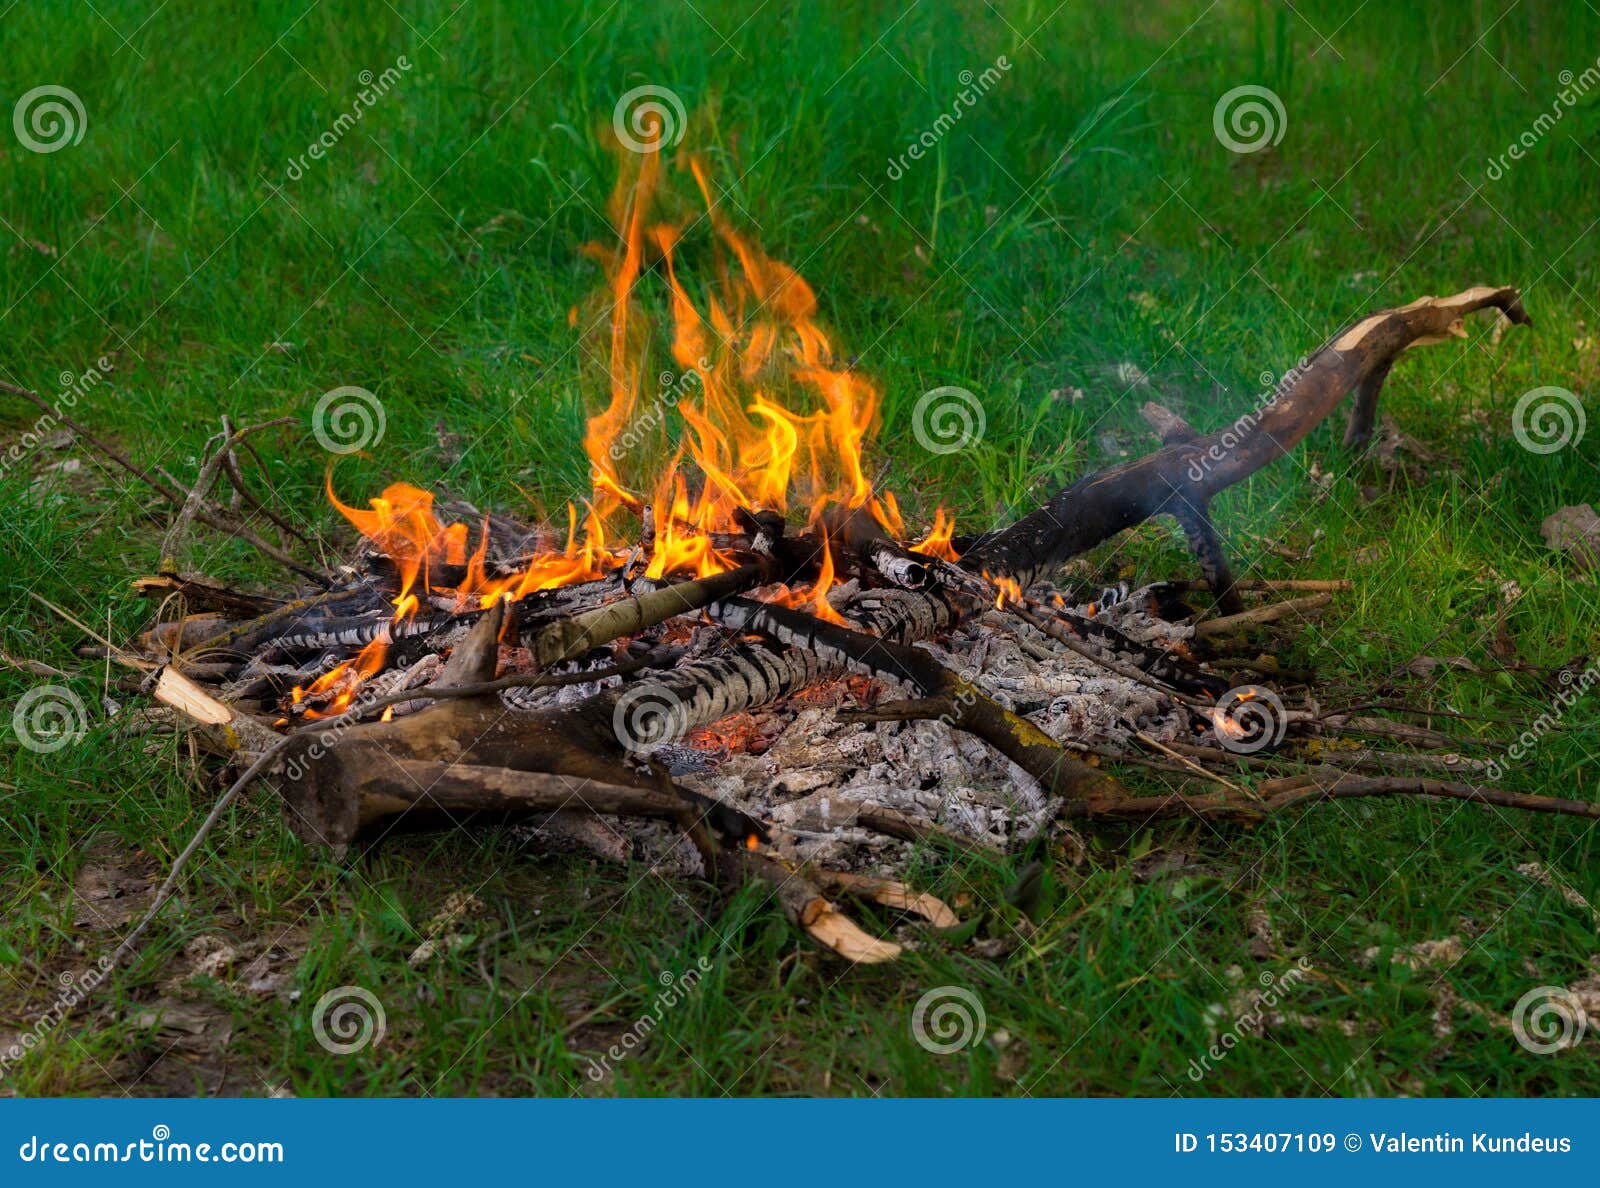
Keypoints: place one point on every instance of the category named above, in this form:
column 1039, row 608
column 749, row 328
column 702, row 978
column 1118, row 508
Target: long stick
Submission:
column 1280, row 795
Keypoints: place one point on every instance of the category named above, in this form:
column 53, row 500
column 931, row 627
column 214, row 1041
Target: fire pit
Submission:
column 735, row 661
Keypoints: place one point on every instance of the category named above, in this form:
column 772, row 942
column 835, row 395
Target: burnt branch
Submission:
column 1181, row 478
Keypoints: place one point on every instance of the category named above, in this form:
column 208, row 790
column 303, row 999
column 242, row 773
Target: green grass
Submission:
column 1081, row 216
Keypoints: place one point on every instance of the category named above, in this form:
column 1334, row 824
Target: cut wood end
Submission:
column 895, row 895
column 834, row 930
column 930, row 907
column 182, row 694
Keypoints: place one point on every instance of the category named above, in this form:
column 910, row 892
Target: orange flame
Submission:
column 402, row 525
column 769, row 413
column 937, row 542
column 772, row 418
column 340, row 684
column 1007, row 589
column 820, row 606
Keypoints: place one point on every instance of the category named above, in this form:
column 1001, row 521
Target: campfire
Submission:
column 732, row 658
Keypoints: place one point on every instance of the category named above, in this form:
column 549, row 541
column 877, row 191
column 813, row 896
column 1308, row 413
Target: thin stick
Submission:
column 203, row 483
column 1307, row 585
column 268, row 756
column 1346, row 787
column 1148, row 741
column 263, row 761
column 168, row 489
column 1299, row 790
column 116, row 653
column 1261, row 614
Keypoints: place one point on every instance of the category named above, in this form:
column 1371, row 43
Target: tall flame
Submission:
column 749, row 345
column 772, row 419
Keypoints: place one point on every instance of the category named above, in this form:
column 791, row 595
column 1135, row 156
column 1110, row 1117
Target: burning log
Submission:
column 569, row 638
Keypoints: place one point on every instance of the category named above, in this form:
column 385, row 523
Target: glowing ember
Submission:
column 1225, row 720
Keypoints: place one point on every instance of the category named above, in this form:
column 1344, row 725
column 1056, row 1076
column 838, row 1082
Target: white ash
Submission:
column 817, row 770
